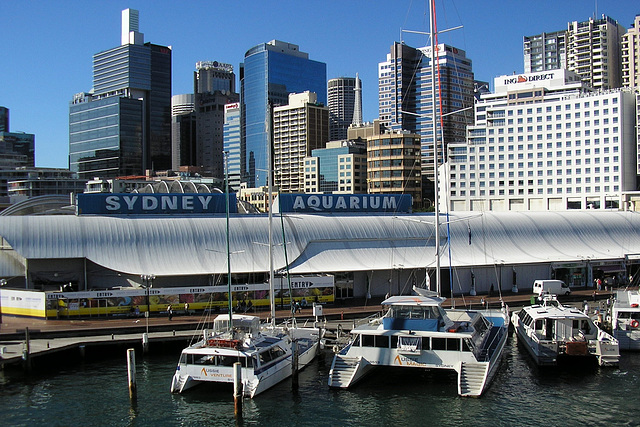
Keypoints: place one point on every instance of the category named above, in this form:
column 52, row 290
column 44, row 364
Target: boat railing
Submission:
column 491, row 343
column 604, row 336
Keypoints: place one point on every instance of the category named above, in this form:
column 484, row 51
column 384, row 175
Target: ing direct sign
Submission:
column 154, row 204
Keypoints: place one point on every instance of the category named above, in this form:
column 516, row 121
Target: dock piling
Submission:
column 131, row 371
column 294, row 365
column 145, row 343
column 237, row 390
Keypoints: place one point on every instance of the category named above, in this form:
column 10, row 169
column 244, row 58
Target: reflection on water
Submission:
column 96, row 393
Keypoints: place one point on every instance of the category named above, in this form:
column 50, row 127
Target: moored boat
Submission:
column 266, row 357
column 417, row 333
column 551, row 332
column 625, row 319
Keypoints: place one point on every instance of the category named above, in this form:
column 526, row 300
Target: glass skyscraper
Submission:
column 123, row 127
column 406, row 101
column 270, row 72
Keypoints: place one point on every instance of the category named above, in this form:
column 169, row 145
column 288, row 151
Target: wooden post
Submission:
column 237, row 390
column 131, row 371
column 294, row 365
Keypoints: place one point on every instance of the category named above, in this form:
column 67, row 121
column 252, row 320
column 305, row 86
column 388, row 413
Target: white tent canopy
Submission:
column 182, row 246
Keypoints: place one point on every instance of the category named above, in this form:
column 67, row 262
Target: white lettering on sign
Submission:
column 336, row 203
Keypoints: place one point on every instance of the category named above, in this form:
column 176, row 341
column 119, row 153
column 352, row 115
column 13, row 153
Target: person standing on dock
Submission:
column 170, row 311
column 186, row 308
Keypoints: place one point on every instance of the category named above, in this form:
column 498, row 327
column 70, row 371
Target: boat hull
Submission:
column 355, row 362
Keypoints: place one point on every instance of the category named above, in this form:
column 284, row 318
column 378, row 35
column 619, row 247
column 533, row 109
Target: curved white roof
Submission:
column 168, row 246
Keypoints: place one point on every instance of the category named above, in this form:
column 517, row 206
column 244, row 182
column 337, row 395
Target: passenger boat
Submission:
column 268, row 354
column 266, row 358
column 625, row 319
column 417, row 333
column 551, row 332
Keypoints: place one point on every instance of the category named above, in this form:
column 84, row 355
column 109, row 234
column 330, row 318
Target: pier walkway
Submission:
column 46, row 337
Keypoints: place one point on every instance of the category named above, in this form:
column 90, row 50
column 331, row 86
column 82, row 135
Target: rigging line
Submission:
column 435, row 144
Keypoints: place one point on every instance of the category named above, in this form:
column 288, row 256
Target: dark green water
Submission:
column 96, row 394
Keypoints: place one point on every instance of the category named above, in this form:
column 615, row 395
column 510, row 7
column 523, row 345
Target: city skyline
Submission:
column 48, row 50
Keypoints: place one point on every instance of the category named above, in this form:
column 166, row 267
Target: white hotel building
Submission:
column 544, row 141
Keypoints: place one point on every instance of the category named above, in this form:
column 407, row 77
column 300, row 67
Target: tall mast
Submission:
column 226, row 196
column 272, row 299
column 435, row 144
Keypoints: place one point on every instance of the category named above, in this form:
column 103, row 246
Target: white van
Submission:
column 554, row 287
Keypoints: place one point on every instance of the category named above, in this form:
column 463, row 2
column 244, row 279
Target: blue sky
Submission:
column 47, row 46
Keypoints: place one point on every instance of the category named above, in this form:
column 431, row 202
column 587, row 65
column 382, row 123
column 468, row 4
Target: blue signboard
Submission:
column 340, row 203
column 154, row 203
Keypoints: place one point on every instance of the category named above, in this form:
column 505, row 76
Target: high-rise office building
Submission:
column 593, row 51
column 214, row 87
column 183, row 131
column 406, row 100
column 546, row 51
column 545, row 141
column 123, row 127
column 341, row 93
column 631, row 55
column 270, row 72
column 231, row 143
column 393, row 164
column 339, row 168
column 17, row 149
column 298, row 128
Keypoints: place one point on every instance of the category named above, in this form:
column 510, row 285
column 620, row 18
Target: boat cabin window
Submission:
column 420, row 342
column 582, row 324
column 356, row 340
column 367, row 341
column 451, row 344
column 466, row 344
column 217, row 360
column 381, row 341
column 539, row 325
column 439, row 343
column 271, row 354
column 629, row 315
column 415, row 312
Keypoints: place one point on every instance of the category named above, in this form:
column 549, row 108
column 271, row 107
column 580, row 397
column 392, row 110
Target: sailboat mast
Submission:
column 434, row 123
column 226, row 196
column 272, row 299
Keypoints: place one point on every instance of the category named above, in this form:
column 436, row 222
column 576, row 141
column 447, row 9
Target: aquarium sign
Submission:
column 343, row 203
column 154, row 204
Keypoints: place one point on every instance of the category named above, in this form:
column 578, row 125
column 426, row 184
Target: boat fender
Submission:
column 336, row 349
column 339, row 330
column 634, row 323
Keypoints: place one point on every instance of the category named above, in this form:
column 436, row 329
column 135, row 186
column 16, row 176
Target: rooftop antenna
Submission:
column 357, row 107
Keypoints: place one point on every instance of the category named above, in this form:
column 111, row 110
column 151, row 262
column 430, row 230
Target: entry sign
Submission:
column 154, row 204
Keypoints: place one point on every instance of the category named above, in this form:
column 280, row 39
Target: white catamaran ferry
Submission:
column 416, row 332
column 266, row 357
column 625, row 319
column 551, row 331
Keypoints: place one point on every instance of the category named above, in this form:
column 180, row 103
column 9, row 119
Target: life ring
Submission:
column 634, row 323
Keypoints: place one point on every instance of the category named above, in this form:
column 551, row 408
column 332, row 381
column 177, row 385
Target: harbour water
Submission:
column 95, row 393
